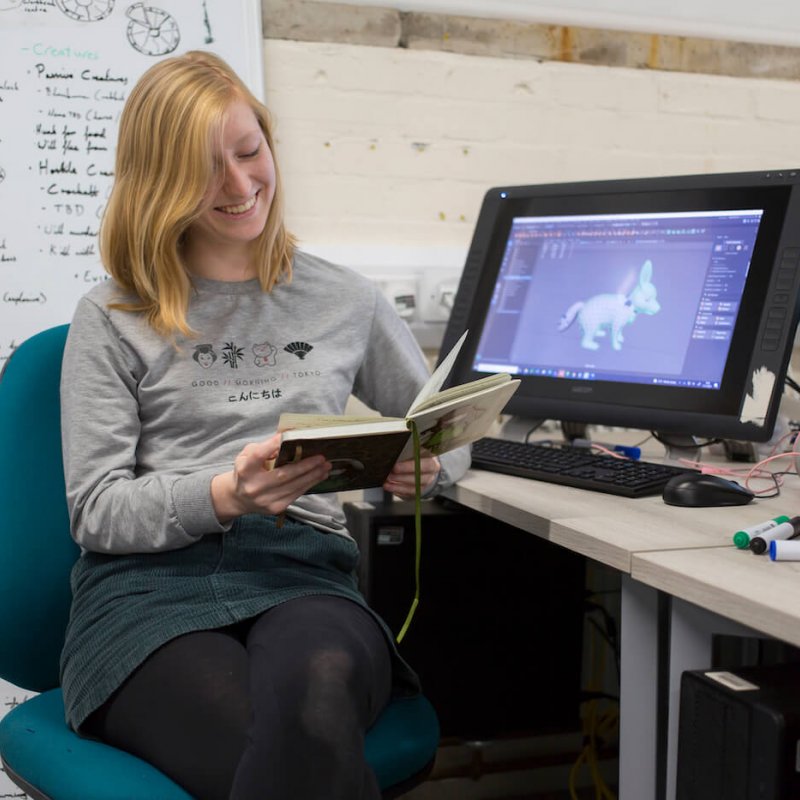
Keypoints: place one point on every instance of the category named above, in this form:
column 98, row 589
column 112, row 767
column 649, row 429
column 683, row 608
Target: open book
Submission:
column 363, row 449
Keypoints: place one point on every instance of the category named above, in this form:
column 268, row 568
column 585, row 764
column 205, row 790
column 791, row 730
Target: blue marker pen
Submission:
column 742, row 538
column 786, row 530
column 782, row 550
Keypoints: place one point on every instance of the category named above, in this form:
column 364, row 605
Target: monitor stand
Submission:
column 517, row 429
column 574, row 430
column 680, row 446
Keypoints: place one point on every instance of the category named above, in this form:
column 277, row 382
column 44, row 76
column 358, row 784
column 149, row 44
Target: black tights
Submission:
column 275, row 707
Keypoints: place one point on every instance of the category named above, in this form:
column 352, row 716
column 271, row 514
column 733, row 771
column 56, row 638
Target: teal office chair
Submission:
column 39, row 753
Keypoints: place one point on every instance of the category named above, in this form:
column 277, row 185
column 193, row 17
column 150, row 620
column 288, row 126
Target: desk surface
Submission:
column 687, row 552
column 609, row 528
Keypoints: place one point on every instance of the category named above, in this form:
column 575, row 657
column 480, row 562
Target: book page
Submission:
column 289, row 421
column 439, row 376
column 460, row 421
column 463, row 389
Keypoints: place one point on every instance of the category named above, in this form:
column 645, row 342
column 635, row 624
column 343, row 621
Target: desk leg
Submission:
column 691, row 631
column 639, row 668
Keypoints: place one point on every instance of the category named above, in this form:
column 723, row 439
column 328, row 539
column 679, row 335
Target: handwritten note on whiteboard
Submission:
column 66, row 68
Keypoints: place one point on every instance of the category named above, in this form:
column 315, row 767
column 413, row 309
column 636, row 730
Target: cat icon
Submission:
column 612, row 312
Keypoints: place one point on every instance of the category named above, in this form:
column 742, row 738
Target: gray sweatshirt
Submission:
column 147, row 424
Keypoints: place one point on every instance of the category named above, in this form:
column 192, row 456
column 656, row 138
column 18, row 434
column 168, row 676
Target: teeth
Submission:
column 240, row 209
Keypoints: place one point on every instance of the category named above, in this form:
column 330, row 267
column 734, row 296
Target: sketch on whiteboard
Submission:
column 207, row 22
column 86, row 10
column 64, row 81
column 10, row 697
column 152, row 31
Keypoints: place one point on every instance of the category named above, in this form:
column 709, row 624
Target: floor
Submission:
column 522, row 769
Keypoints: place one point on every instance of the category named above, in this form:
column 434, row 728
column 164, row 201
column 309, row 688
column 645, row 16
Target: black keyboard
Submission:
column 573, row 466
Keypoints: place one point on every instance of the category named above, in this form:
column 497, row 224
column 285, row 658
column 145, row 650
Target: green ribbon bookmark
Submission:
column 417, row 529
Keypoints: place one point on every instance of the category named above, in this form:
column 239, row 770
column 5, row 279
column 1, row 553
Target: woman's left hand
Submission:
column 401, row 478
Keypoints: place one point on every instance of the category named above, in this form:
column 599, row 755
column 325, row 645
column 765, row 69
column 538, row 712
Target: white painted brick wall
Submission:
column 778, row 102
column 390, row 149
column 707, row 96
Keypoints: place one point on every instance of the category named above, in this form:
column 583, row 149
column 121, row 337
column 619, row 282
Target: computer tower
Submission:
column 497, row 636
column 739, row 734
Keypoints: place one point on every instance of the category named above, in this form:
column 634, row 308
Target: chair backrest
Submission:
column 36, row 551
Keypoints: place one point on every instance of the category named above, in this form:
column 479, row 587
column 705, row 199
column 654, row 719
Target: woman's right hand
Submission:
column 254, row 487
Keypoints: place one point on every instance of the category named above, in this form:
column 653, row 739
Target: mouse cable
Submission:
column 535, row 428
column 756, row 472
column 775, row 477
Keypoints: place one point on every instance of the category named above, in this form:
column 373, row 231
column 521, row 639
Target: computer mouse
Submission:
column 700, row 489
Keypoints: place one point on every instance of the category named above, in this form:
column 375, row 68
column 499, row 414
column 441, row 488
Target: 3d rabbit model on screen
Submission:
column 612, row 312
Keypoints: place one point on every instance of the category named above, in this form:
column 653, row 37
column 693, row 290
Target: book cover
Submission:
column 359, row 461
column 363, row 450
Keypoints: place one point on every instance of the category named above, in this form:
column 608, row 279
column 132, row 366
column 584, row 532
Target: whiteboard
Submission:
column 66, row 68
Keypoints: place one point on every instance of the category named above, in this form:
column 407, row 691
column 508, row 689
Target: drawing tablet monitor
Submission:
column 666, row 304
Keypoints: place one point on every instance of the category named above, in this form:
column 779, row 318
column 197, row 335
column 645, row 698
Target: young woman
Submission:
column 232, row 652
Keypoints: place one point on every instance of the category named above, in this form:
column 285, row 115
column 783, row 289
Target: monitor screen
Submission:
column 666, row 304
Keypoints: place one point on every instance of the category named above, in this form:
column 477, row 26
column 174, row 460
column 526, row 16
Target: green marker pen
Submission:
column 742, row 538
column 786, row 530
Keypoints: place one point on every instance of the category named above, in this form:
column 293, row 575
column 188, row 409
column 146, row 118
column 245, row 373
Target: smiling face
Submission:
column 237, row 203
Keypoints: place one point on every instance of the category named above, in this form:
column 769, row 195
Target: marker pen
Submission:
column 742, row 538
column 784, row 551
column 786, row 530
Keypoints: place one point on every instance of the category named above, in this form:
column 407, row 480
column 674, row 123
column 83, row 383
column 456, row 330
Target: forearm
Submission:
column 223, row 497
column 141, row 515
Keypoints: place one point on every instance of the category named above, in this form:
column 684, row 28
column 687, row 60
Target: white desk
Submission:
column 685, row 553
column 608, row 528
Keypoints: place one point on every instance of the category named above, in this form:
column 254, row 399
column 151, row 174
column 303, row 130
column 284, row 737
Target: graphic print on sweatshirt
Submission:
column 224, row 364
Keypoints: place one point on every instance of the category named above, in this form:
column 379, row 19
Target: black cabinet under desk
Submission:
column 497, row 636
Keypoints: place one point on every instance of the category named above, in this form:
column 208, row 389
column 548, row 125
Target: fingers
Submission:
column 293, row 480
column 259, row 452
column 401, row 480
column 264, row 489
column 253, row 486
column 275, row 490
column 403, row 470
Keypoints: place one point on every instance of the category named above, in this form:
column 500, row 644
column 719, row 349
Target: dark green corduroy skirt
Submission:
column 126, row 606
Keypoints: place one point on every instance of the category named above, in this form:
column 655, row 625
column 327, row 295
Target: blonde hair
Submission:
column 169, row 127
